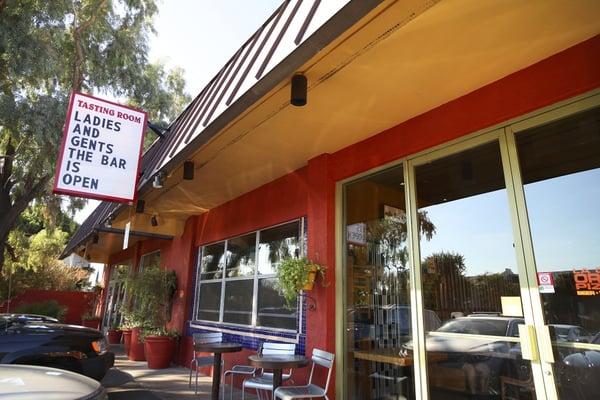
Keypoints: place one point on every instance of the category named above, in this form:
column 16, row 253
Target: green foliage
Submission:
column 293, row 274
column 35, row 243
column 50, row 308
column 151, row 291
column 47, row 50
column 160, row 331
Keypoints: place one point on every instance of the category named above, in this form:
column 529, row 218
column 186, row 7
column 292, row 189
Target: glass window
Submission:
column 213, row 261
column 209, row 301
column 238, row 301
column 560, row 168
column 277, row 243
column 470, row 277
column 238, row 258
column 241, row 253
column 378, row 319
column 272, row 310
column 151, row 260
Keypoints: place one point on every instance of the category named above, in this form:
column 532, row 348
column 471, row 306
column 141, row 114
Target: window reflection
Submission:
column 240, row 256
column 378, row 293
column 238, row 301
column 277, row 243
column 209, row 301
column 470, row 279
column 213, row 261
column 272, row 310
column 560, row 168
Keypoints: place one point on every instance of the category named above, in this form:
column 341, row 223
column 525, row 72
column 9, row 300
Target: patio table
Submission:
column 277, row 363
column 217, row 349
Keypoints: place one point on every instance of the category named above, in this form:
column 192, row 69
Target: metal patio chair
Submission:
column 203, row 361
column 264, row 380
column 320, row 358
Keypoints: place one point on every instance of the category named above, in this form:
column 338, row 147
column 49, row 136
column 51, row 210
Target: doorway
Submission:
column 473, row 271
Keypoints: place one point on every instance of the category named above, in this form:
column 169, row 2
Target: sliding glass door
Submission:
column 473, row 271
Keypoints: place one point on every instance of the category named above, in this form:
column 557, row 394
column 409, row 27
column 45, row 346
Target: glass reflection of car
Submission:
column 571, row 333
column 390, row 315
column 475, row 364
column 579, row 371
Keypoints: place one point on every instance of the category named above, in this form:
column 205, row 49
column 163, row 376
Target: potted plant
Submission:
column 159, row 346
column 133, row 320
column 114, row 335
column 295, row 275
column 153, row 290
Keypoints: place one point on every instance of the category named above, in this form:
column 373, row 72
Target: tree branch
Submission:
column 78, row 71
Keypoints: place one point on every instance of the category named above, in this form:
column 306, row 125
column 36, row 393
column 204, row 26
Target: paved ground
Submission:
column 132, row 380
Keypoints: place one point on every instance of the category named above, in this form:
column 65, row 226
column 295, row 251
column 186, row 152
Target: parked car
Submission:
column 21, row 382
column 70, row 347
column 29, row 317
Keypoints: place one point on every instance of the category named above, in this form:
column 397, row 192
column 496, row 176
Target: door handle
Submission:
column 546, row 350
column 529, row 348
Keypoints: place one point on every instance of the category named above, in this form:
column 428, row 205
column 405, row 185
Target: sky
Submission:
column 199, row 36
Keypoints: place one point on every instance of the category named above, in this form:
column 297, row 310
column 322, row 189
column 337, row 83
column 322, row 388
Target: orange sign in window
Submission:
column 587, row 283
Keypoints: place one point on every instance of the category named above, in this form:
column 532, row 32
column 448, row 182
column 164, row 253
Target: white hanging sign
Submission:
column 101, row 150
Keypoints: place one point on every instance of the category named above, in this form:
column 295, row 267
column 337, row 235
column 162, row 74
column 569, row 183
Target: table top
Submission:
column 220, row 347
column 278, row 361
column 392, row 356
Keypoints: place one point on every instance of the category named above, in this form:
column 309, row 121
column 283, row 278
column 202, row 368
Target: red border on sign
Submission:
column 66, row 126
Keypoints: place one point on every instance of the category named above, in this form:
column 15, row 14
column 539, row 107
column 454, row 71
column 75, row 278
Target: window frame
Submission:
column 255, row 277
column 141, row 265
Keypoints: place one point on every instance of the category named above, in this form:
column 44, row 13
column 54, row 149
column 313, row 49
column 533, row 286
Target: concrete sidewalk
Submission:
column 133, row 380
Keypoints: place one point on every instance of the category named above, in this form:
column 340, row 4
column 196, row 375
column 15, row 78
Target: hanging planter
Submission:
column 295, row 275
column 312, row 276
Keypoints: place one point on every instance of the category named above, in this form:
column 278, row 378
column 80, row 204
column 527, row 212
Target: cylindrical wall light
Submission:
column 188, row 170
column 139, row 206
column 154, row 221
column 299, row 90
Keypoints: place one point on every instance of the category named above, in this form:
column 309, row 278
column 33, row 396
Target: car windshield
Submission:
column 478, row 326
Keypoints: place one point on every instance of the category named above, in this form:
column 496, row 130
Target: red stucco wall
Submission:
column 76, row 302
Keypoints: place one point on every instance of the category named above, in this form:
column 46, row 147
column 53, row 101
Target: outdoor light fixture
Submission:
column 139, row 207
column 299, row 90
column 154, row 221
column 95, row 238
column 157, row 183
column 108, row 222
column 188, row 170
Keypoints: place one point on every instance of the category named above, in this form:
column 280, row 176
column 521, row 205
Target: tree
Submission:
column 47, row 50
column 36, row 241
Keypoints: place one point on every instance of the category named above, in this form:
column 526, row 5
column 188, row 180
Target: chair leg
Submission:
column 196, row 390
column 191, row 369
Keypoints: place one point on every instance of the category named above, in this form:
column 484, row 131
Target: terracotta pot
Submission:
column 312, row 275
column 159, row 350
column 136, row 348
column 92, row 323
column 114, row 336
column 126, row 340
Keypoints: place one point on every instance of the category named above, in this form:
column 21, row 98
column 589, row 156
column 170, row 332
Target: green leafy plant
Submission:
column 50, row 308
column 151, row 291
column 161, row 331
column 293, row 274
